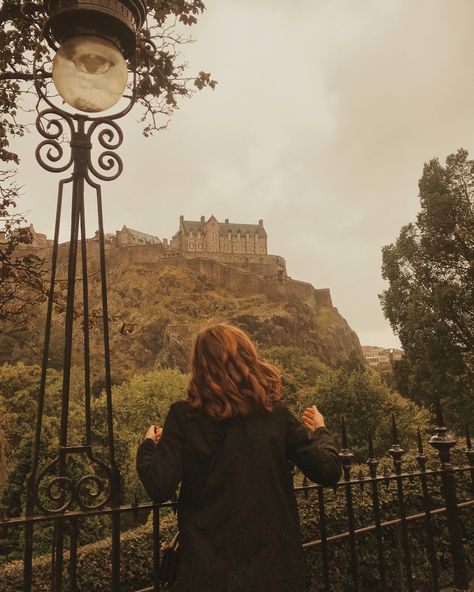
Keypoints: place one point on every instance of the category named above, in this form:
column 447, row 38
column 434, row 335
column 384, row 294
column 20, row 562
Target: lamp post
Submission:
column 93, row 40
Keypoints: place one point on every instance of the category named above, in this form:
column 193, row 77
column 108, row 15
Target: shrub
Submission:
column 136, row 544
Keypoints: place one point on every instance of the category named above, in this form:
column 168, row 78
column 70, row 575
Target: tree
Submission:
column 138, row 403
column 21, row 275
column 358, row 394
column 430, row 298
column 158, row 91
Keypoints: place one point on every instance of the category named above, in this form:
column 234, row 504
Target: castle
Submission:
column 235, row 255
column 240, row 245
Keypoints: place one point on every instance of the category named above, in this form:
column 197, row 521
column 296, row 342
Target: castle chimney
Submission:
column 260, row 222
column 181, row 219
column 203, row 219
column 227, row 220
column 165, row 242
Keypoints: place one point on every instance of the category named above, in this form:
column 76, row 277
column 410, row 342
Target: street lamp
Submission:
column 98, row 46
column 94, row 39
column 90, row 73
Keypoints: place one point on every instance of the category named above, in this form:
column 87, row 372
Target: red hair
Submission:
column 228, row 378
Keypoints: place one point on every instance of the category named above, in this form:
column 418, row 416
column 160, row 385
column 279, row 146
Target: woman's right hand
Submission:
column 154, row 433
column 312, row 419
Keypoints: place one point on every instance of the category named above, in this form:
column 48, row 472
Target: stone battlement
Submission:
column 232, row 255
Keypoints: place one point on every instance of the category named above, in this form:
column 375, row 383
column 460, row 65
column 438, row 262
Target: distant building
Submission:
column 128, row 236
column 374, row 355
column 243, row 246
column 226, row 237
column 36, row 239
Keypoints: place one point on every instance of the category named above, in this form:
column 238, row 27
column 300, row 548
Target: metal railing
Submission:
column 428, row 506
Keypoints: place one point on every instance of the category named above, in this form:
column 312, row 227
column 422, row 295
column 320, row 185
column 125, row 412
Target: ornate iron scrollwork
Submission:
column 56, row 494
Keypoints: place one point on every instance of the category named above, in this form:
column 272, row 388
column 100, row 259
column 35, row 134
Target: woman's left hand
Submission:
column 154, row 433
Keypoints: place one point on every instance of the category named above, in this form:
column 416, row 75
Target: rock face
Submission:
column 157, row 305
column 158, row 308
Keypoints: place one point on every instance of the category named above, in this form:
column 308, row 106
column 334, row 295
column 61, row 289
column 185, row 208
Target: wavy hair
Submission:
column 228, row 378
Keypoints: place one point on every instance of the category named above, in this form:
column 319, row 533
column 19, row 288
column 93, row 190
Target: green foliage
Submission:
column 367, row 551
column 158, row 91
column 305, row 368
column 6, row 420
column 21, row 275
column 430, row 299
column 139, row 403
column 351, row 391
column 94, row 563
column 137, row 544
column 366, row 403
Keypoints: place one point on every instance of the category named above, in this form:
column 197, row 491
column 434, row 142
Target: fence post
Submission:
column 427, row 507
column 469, row 452
column 397, row 452
column 442, row 441
column 346, row 458
column 372, row 463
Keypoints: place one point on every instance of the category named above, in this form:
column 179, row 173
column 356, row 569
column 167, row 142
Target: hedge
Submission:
column 136, row 544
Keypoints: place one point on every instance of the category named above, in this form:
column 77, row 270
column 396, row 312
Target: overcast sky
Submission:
column 324, row 114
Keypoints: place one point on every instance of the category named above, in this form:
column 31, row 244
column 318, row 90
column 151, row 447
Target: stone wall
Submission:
column 236, row 280
column 264, row 265
column 226, row 271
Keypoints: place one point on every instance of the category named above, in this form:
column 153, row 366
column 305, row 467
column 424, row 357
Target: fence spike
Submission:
column 371, row 445
column 468, row 439
column 420, row 442
column 395, row 439
column 439, row 412
column 344, row 434
column 135, row 506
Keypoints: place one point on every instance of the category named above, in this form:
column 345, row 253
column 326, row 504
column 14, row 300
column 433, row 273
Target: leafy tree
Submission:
column 158, row 92
column 430, row 298
column 299, row 371
column 352, row 391
column 366, row 403
column 138, row 403
column 21, row 274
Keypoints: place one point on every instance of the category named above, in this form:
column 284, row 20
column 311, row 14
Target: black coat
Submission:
column 244, row 534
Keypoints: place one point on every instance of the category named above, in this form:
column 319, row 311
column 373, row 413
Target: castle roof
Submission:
column 192, row 226
column 141, row 235
column 234, row 228
column 224, row 227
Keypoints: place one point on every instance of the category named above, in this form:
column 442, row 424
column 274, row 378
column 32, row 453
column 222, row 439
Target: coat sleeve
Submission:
column 160, row 466
column 316, row 454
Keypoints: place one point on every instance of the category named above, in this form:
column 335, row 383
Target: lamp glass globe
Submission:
column 90, row 73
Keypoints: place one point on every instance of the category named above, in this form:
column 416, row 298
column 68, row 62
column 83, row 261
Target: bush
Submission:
column 94, row 563
column 137, row 544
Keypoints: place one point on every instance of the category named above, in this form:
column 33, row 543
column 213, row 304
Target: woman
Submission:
column 229, row 445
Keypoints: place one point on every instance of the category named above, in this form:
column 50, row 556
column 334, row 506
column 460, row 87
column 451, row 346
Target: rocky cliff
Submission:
column 157, row 305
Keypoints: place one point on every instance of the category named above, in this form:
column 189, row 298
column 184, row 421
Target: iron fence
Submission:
column 408, row 511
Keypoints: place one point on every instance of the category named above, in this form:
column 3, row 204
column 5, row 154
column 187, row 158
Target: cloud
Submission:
column 320, row 124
